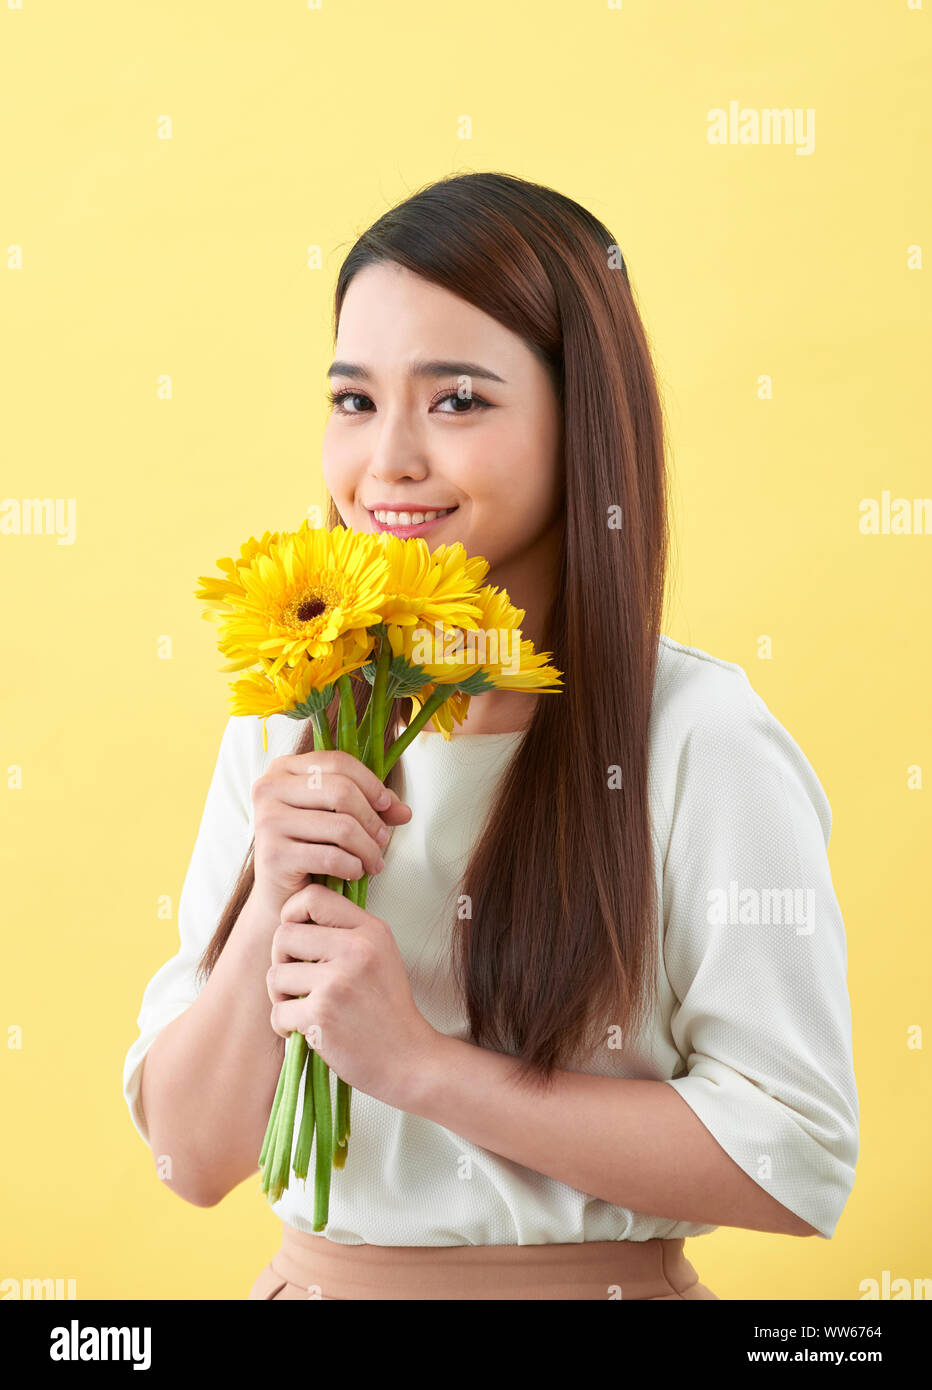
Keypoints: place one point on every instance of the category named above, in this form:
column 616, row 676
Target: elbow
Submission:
column 188, row 1179
column 794, row 1225
column 205, row 1198
column 776, row 1217
column 827, row 1230
column 779, row 1220
column 802, row 1228
column 196, row 1194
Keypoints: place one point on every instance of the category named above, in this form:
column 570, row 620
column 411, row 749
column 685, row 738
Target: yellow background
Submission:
column 142, row 256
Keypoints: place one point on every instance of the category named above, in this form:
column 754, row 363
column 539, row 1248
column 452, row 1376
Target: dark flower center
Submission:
column 310, row 608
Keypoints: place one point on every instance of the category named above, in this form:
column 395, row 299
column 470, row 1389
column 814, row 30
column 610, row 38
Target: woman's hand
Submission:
column 319, row 813
column 359, row 1013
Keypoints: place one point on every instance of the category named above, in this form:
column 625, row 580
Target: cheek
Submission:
column 508, row 517
column 515, row 478
column 336, row 465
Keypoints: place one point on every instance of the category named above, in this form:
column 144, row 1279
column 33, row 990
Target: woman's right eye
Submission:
column 337, row 398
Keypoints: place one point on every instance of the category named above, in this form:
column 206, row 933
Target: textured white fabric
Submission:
column 753, row 1026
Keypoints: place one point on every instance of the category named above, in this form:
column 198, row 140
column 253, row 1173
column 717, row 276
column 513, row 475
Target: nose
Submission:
column 397, row 449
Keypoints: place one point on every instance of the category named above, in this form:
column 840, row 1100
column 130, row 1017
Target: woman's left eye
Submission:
column 462, row 400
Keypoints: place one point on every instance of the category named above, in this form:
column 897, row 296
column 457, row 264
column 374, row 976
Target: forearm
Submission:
column 633, row 1143
column 209, row 1078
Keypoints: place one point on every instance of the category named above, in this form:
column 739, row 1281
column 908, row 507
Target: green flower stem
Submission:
column 295, row 1052
column 363, row 730
column 322, row 740
column 347, row 734
column 341, row 1114
column 268, row 1184
column 378, row 707
column 302, row 1156
column 322, row 737
column 383, row 658
column 344, row 1092
column 442, row 693
column 270, row 1128
column 324, row 1154
column 349, row 742
column 267, row 1168
column 339, row 1125
column 273, row 1157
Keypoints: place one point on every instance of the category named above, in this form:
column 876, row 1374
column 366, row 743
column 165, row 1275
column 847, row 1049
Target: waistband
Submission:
column 600, row 1269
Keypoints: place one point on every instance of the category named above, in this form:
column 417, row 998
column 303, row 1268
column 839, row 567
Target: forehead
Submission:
column 391, row 316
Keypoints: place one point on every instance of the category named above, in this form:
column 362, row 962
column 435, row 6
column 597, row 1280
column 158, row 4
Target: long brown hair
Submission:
column 561, row 943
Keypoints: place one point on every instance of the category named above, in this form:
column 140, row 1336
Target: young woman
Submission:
column 597, row 1001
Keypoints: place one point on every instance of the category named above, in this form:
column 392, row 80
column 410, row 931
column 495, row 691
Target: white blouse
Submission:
column 753, row 1026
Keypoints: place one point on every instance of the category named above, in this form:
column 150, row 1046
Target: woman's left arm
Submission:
column 761, row 1129
column 632, row 1143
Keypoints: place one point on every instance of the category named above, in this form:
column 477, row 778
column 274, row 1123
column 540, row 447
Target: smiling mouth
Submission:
column 387, row 517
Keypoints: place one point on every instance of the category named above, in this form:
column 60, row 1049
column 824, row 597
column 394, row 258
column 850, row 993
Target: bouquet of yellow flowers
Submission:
column 307, row 611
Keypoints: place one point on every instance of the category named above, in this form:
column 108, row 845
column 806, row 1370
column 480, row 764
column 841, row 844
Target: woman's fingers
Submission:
column 314, row 814
column 335, row 763
column 316, row 903
column 345, row 788
column 288, row 980
column 298, row 940
column 309, row 917
column 325, row 829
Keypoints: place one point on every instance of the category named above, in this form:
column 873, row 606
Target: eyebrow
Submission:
column 433, row 368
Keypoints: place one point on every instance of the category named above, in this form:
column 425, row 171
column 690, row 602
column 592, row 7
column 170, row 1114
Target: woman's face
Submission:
column 442, row 407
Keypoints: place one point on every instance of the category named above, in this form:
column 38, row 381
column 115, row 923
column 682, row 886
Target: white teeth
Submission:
column 408, row 518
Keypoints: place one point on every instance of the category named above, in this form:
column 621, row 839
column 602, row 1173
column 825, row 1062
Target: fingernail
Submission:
column 380, row 866
column 384, row 801
column 383, row 835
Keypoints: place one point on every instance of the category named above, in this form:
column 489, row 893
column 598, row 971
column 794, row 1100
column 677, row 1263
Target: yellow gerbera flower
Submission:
column 298, row 691
column 217, row 591
column 308, row 589
column 439, row 587
column 493, row 656
column 516, row 666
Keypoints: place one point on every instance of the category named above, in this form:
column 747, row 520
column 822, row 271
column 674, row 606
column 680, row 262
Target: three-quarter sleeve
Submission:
column 223, row 839
column 755, row 953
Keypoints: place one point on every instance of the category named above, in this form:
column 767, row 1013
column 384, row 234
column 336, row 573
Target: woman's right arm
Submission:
column 209, row 1077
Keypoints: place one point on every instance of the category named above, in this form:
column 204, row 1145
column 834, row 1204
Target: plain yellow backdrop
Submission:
column 165, row 171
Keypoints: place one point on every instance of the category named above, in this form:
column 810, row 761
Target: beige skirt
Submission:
column 311, row 1266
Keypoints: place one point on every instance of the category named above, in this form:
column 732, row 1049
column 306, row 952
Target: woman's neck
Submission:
column 531, row 580
column 498, row 712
